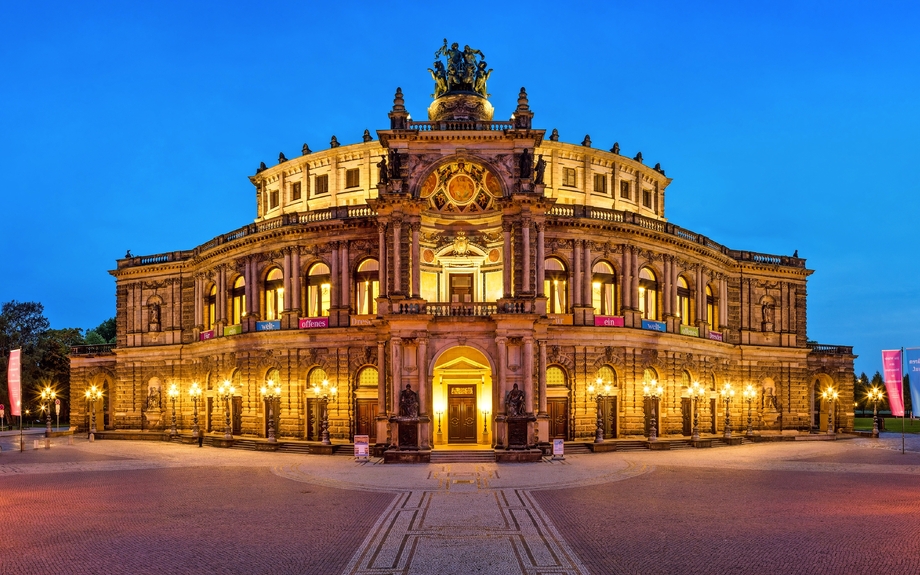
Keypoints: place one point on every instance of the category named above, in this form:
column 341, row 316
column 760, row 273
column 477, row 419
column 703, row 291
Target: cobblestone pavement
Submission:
column 137, row 507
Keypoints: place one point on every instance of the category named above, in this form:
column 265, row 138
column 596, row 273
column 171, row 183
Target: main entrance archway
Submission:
column 462, row 397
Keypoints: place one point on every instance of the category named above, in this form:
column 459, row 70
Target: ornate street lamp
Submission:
column 225, row 392
column 728, row 393
column 697, row 392
column 599, row 397
column 653, row 391
column 173, row 394
column 48, row 396
column 830, row 395
column 749, row 394
column 93, row 394
column 195, row 392
column 270, row 392
column 323, row 392
column 875, row 395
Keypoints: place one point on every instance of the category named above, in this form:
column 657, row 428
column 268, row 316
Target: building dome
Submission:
column 461, row 107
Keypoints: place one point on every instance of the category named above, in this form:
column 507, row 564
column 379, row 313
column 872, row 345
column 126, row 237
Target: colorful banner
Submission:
column 273, row 325
column 689, row 330
column 14, row 382
column 608, row 321
column 913, row 370
column 313, row 322
column 715, row 335
column 233, row 329
column 891, row 365
column 205, row 335
column 367, row 320
column 654, row 325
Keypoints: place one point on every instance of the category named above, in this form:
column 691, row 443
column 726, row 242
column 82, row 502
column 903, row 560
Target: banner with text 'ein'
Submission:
column 891, row 365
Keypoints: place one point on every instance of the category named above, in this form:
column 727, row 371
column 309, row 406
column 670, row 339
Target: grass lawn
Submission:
column 891, row 424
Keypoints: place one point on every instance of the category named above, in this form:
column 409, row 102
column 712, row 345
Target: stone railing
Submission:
column 617, row 216
column 334, row 213
column 99, row 349
column 825, row 349
column 455, row 125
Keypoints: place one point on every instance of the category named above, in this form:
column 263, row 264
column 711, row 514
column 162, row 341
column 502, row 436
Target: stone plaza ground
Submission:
column 846, row 506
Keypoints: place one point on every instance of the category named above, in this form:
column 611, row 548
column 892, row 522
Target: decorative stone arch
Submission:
column 419, row 175
column 556, row 355
column 472, row 186
column 103, row 378
column 818, row 381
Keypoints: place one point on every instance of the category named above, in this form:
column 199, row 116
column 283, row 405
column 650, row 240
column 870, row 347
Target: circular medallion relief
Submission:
column 493, row 185
column 461, row 189
column 428, row 256
column 429, row 185
column 494, row 256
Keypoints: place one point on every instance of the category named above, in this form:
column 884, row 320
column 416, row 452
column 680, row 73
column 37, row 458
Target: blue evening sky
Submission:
column 785, row 125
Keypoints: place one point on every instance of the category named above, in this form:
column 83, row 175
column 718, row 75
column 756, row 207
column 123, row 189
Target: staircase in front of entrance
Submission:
column 462, row 456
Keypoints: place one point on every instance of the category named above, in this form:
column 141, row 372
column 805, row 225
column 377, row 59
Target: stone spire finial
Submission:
column 399, row 105
column 616, row 148
column 399, row 118
column 367, row 136
column 262, row 167
column 281, row 158
column 638, row 157
column 522, row 114
column 523, row 103
column 333, row 143
column 659, row 169
column 305, row 150
column 554, row 136
column 587, row 141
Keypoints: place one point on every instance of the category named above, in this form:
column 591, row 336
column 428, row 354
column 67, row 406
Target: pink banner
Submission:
column 313, row 322
column 15, row 383
column 205, row 335
column 608, row 321
column 891, row 365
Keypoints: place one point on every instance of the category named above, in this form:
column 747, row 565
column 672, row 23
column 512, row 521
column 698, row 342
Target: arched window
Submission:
column 555, row 377
column 603, row 289
column 273, row 375
column 555, row 284
column 367, row 377
column 367, row 287
column 238, row 301
column 649, row 375
column 319, row 288
column 274, row 294
column 316, row 377
column 210, row 308
column 711, row 302
column 685, row 380
column 683, row 301
column 648, row 294
column 606, row 375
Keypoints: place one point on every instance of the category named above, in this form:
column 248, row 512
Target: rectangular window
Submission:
column 273, row 199
column 353, row 178
column 647, row 198
column 600, row 183
column 295, row 191
column 322, row 185
column 624, row 189
column 568, row 177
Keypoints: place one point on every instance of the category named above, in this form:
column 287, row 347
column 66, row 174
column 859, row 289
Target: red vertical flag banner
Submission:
column 14, row 382
column 891, row 365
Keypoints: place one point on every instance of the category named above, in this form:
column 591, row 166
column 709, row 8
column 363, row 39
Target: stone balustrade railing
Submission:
column 455, row 125
column 826, row 349
column 98, row 349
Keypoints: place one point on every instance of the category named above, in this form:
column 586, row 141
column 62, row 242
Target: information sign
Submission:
column 362, row 450
column 558, row 449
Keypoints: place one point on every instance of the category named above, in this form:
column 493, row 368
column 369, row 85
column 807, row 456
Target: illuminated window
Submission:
column 353, row 178
column 711, row 302
column 238, row 300
column 210, row 308
column 555, row 284
column 322, row 185
column 367, row 287
column 274, row 294
column 649, row 375
column 607, row 376
column 683, row 301
column 648, row 294
column 568, row 177
column 603, row 289
column 367, row 377
column 600, row 183
column 624, row 190
column 319, row 290
column 273, row 199
column 555, row 377
column 295, row 191
column 315, row 377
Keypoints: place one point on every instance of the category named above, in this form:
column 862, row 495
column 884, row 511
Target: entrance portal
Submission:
column 461, row 414
column 462, row 397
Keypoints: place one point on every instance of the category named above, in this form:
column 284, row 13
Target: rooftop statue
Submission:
column 462, row 72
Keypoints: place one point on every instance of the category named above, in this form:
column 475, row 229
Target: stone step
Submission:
column 464, row 456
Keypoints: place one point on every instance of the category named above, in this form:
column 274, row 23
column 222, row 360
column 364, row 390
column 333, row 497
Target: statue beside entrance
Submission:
column 407, row 422
column 517, row 419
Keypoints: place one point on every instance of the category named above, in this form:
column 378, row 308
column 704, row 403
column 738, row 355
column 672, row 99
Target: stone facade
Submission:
column 462, row 257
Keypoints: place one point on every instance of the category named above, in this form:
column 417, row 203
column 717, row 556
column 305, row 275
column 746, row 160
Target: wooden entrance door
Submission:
column 712, row 414
column 558, row 410
column 236, row 415
column 314, row 422
column 686, row 411
column 209, row 426
column 609, row 417
column 366, row 419
column 461, row 414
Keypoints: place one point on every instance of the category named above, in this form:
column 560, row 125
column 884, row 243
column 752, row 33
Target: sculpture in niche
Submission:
column 767, row 309
column 395, row 164
column 153, row 316
column 539, row 170
column 384, row 177
column 153, row 398
column 514, row 402
column 525, row 163
column 408, row 403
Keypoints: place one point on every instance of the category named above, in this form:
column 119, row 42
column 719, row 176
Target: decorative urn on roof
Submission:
column 460, row 85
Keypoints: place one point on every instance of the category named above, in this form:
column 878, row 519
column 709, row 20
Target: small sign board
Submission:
column 206, row 335
column 313, row 322
column 558, row 449
column 362, row 449
column 271, row 325
column 233, row 329
column 608, row 321
column 654, row 325
column 715, row 335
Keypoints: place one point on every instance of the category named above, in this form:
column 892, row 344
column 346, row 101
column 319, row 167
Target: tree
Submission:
column 878, row 382
column 861, row 391
column 106, row 330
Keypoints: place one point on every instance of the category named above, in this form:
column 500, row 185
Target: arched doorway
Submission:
column 462, row 397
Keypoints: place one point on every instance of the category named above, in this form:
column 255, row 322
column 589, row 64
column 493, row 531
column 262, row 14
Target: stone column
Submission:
column 286, row 268
column 396, row 368
column 723, row 303
column 528, row 373
column 577, row 275
column 345, row 300
column 381, row 378
column 589, row 276
column 334, row 276
column 506, row 259
column 382, row 258
column 541, row 256
column 424, row 432
column 666, row 287
column 625, row 279
column 541, row 374
column 525, row 268
column 222, row 295
column 634, row 270
column 502, row 429
column 254, row 301
column 416, row 261
column 397, row 266
column 296, row 297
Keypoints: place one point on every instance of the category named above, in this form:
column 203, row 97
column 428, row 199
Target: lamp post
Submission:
column 323, row 392
column 270, row 392
column 173, row 394
column 697, row 392
column 830, row 396
column 195, row 392
column 225, row 392
column 93, row 394
column 653, row 391
column 728, row 393
column 599, row 435
column 485, row 426
column 48, row 396
column 749, row 394
column 875, row 396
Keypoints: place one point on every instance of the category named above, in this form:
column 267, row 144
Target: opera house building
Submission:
column 462, row 280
